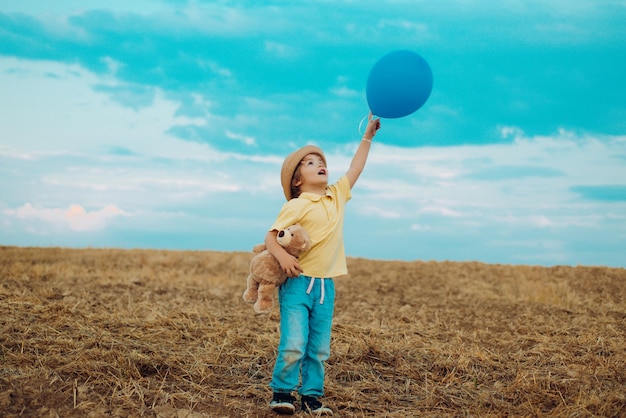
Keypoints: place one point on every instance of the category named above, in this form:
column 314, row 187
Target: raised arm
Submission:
column 360, row 156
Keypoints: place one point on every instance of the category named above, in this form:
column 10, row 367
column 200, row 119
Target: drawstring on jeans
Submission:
column 311, row 283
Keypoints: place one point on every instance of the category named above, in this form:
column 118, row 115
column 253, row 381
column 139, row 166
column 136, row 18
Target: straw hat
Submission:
column 291, row 163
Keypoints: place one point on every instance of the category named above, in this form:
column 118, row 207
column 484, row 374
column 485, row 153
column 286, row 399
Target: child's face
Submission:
column 313, row 171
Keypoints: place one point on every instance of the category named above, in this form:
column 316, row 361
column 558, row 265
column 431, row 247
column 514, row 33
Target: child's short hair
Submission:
column 290, row 170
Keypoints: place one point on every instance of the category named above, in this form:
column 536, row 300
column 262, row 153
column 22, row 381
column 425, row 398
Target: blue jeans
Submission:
column 306, row 314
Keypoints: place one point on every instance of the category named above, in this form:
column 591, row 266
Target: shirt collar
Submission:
column 313, row 197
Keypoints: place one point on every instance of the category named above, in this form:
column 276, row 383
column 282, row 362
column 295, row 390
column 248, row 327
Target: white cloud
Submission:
column 539, row 221
column 442, row 211
column 380, row 212
column 245, row 139
column 420, row 227
column 73, row 118
column 433, row 186
column 280, row 50
column 414, row 28
column 344, row 91
column 75, row 217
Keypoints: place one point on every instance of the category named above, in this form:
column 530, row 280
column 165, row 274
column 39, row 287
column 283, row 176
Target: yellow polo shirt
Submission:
column 322, row 217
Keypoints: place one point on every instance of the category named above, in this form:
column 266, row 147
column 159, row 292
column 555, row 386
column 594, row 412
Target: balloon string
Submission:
column 361, row 124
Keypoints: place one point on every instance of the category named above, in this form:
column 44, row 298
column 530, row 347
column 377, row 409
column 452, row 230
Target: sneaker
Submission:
column 311, row 405
column 283, row 403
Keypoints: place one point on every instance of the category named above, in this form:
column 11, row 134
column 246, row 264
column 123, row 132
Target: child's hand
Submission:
column 373, row 125
column 290, row 265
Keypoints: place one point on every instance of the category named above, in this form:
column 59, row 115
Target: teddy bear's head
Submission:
column 294, row 240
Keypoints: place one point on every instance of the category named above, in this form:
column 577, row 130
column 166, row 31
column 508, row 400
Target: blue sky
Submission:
column 163, row 124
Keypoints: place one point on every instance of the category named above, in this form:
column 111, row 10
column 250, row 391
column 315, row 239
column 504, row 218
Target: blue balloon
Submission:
column 398, row 84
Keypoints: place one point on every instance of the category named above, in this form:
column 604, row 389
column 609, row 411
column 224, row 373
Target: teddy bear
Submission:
column 265, row 271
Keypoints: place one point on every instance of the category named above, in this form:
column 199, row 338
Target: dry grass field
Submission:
column 95, row 333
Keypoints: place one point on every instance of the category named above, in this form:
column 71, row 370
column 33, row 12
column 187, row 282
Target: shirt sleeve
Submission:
column 342, row 189
column 286, row 217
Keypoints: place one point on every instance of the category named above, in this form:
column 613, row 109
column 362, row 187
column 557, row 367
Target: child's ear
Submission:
column 296, row 183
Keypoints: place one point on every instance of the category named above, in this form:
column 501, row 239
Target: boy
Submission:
column 307, row 298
